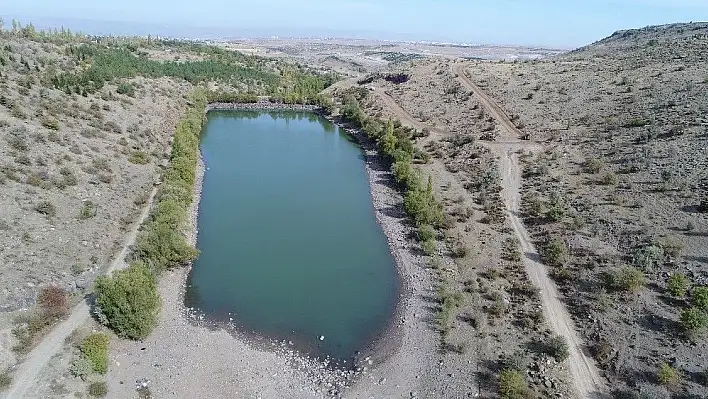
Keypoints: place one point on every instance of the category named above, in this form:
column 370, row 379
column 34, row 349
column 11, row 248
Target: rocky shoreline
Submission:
column 261, row 105
column 214, row 359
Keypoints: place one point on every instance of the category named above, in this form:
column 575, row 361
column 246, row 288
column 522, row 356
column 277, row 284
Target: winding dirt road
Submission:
column 26, row 374
column 586, row 377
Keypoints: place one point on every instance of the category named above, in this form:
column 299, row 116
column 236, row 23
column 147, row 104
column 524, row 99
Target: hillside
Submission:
column 87, row 125
column 614, row 190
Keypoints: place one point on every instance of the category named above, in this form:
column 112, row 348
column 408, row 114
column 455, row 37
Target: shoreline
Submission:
column 401, row 352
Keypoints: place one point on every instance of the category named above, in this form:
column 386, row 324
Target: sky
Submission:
column 549, row 23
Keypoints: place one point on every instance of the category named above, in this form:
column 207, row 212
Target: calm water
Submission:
column 289, row 244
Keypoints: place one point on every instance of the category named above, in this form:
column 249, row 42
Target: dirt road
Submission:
column 586, row 377
column 26, row 374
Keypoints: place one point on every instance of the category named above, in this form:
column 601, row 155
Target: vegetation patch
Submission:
column 95, row 349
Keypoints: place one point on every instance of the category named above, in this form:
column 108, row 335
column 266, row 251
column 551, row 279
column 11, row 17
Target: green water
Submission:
column 290, row 248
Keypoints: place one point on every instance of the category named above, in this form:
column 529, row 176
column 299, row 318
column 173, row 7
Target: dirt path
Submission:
column 586, row 377
column 27, row 372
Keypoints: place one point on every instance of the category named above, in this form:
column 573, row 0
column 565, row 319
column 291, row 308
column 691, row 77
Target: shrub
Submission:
column 88, row 210
column 46, row 208
column 668, row 376
column 50, row 123
column 98, row 389
column 699, row 296
column 129, row 301
column 558, row 348
column 139, row 158
column 629, row 279
column 556, row 252
column 677, row 285
column 426, row 232
column 512, row 385
column 610, row 179
column 81, row 367
column 592, row 165
column 648, row 258
column 95, row 349
column 5, row 379
column 672, row 246
column 125, row 88
column 428, row 246
column 693, row 322
column 53, row 302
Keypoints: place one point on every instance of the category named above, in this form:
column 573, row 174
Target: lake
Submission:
column 290, row 247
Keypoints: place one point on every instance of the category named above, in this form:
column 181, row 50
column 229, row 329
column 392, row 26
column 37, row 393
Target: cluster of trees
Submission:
column 128, row 301
column 396, row 144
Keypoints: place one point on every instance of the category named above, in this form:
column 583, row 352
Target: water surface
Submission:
column 290, row 248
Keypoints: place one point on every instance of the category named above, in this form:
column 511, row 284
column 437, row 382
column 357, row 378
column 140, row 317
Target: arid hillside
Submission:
column 614, row 187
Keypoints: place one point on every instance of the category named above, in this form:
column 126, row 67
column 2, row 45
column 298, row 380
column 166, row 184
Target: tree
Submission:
column 129, row 301
column 389, row 139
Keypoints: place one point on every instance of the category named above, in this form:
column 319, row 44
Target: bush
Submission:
column 629, row 279
column 139, row 158
column 88, row 210
column 81, row 367
column 693, row 322
column 672, row 246
column 129, row 301
column 5, row 379
column 668, row 376
column 50, row 123
column 556, row 252
column 46, row 208
column 428, row 247
column 648, row 258
column 592, row 165
column 95, row 350
column 126, row 88
column 98, row 389
column 426, row 232
column 558, row 348
column 610, row 179
column 699, row 297
column 53, row 302
column 512, row 385
column 677, row 285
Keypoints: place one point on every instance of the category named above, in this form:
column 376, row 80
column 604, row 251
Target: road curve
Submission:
column 26, row 374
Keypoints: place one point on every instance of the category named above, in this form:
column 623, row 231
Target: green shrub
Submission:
column 558, row 348
column 139, row 158
column 648, row 258
column 46, row 208
column 694, row 322
column 129, row 301
column 126, row 88
column 668, row 376
column 426, row 232
column 629, row 279
column 428, row 246
column 88, row 210
column 98, row 389
column 677, row 285
column 512, row 385
column 95, row 349
column 699, row 297
column 556, row 252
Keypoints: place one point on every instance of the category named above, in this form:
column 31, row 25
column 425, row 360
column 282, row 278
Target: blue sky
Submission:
column 559, row 23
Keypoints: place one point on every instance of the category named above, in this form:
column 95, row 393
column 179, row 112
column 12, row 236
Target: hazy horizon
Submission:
column 532, row 23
